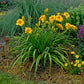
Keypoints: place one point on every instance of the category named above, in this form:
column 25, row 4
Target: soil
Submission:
column 57, row 75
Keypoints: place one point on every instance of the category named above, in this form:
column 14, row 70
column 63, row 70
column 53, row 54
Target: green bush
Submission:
column 60, row 5
column 43, row 43
column 40, row 46
column 77, row 15
column 81, row 47
column 7, row 23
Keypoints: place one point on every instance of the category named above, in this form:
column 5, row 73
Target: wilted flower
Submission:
column 3, row 2
column 60, row 26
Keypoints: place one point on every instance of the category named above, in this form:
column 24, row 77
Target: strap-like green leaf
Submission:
column 50, row 61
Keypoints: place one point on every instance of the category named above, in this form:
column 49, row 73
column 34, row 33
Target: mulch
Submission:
column 57, row 75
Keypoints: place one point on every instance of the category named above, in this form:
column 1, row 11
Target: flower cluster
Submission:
column 56, row 21
column 21, row 22
column 77, row 62
column 69, row 26
column 81, row 32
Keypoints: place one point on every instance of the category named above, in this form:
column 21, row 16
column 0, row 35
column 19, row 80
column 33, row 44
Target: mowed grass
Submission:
column 6, row 78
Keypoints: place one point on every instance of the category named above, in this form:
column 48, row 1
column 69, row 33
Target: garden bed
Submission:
column 57, row 75
column 43, row 45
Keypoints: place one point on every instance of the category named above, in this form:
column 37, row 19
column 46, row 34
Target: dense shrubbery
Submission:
column 80, row 38
column 77, row 15
column 6, row 4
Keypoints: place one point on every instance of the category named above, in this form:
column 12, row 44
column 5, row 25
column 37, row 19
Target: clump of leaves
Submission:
column 77, row 15
column 40, row 46
column 42, row 43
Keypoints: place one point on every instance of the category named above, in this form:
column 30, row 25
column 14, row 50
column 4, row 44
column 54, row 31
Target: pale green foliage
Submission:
column 77, row 15
column 7, row 23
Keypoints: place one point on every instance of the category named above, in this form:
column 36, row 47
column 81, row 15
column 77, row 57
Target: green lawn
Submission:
column 10, row 79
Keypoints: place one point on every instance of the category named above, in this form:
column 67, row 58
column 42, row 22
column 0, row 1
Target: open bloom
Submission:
column 59, row 18
column 72, row 52
column 42, row 18
column 83, row 62
column 75, row 64
column 67, row 25
column 66, row 15
column 79, row 65
column 52, row 18
column 66, row 64
column 20, row 22
column 77, row 61
column 28, row 30
column 77, row 56
column 71, row 62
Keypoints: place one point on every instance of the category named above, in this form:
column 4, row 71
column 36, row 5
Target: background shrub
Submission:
column 7, row 23
column 77, row 15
